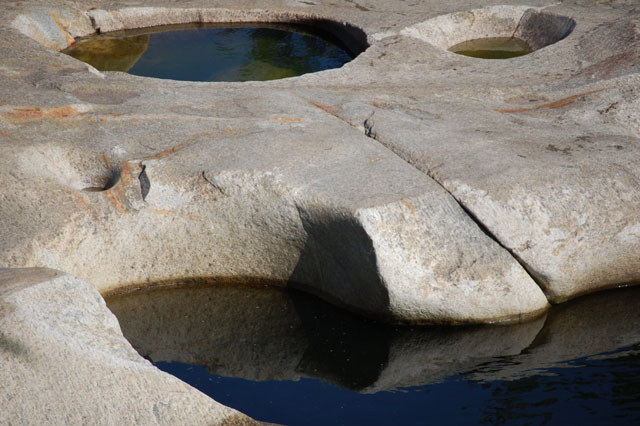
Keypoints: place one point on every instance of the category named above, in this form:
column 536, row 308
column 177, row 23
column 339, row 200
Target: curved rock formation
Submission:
column 412, row 184
column 65, row 361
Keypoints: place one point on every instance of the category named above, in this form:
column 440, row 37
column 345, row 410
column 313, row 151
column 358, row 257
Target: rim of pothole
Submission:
column 534, row 26
column 57, row 35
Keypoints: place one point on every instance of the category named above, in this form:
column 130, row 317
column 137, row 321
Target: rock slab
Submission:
column 64, row 361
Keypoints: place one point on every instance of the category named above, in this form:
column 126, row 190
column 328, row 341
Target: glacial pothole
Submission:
column 215, row 52
column 494, row 32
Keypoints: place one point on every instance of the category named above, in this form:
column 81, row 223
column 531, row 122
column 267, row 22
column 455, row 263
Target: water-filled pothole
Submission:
column 494, row 32
column 214, row 52
column 282, row 356
column 492, row 48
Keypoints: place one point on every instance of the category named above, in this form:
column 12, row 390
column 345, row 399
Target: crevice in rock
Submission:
column 370, row 132
column 145, row 183
column 213, row 183
column 93, row 23
column 491, row 235
column 101, row 182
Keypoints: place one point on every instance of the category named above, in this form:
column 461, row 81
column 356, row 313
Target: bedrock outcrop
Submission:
column 412, row 184
column 65, row 361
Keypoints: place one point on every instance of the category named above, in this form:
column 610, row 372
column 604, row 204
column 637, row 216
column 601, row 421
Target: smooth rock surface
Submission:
column 235, row 180
column 64, row 361
column 412, row 184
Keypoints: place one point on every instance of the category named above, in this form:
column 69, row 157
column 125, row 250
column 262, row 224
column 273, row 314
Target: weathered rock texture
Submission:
column 64, row 361
column 262, row 180
column 412, row 184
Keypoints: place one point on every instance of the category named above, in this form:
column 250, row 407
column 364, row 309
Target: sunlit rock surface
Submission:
column 64, row 361
column 413, row 184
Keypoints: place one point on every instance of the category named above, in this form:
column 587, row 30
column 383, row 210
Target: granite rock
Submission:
column 65, row 361
column 412, row 184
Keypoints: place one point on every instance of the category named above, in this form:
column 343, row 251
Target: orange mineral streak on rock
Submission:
column 112, row 196
column 22, row 115
column 69, row 39
column 560, row 103
column 61, row 112
column 177, row 147
column 408, row 205
column 325, row 108
column 293, row 119
column 166, row 152
column 106, row 161
column 116, row 195
column 102, row 118
column 190, row 216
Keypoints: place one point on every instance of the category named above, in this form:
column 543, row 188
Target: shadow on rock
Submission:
column 338, row 263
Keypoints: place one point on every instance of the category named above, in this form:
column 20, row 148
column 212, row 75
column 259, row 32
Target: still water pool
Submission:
column 284, row 357
column 213, row 52
column 492, row 48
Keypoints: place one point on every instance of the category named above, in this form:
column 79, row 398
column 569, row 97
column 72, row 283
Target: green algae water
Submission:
column 492, row 48
column 213, row 52
column 284, row 357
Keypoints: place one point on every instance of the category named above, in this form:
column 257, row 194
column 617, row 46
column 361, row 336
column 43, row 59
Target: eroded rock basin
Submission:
column 412, row 184
column 363, row 183
column 282, row 356
column 210, row 52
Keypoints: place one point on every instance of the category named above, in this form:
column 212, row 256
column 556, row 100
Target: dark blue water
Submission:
column 210, row 53
column 284, row 357
column 586, row 391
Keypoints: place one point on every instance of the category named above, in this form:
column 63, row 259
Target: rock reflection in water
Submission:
column 110, row 53
column 496, row 373
column 271, row 333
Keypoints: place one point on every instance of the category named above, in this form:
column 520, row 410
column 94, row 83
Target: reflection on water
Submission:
column 211, row 52
column 285, row 357
column 492, row 48
column 110, row 54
